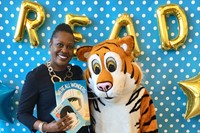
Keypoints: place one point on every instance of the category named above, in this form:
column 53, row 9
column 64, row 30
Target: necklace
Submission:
column 53, row 75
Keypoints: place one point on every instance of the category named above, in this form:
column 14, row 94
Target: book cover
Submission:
column 75, row 91
column 66, row 108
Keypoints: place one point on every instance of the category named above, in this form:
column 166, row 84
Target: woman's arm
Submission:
column 27, row 102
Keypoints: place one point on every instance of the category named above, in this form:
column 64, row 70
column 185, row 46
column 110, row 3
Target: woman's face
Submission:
column 61, row 48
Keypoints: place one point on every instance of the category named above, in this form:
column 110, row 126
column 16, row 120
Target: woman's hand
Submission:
column 63, row 124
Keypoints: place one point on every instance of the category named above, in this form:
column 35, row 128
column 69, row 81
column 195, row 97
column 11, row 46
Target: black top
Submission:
column 39, row 90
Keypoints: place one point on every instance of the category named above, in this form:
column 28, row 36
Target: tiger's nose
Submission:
column 106, row 86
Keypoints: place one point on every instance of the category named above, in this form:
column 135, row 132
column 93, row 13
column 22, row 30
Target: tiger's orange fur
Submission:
column 119, row 102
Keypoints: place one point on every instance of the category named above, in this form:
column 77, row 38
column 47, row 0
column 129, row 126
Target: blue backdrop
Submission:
column 162, row 69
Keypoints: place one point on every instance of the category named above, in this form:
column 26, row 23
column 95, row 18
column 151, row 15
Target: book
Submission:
column 75, row 91
column 66, row 108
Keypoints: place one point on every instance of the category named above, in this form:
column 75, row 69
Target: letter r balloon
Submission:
column 29, row 24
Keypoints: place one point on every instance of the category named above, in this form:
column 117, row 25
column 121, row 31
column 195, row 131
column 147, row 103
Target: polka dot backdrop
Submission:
column 162, row 69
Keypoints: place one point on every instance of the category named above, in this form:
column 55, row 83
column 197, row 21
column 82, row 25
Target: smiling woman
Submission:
column 39, row 85
column 61, row 47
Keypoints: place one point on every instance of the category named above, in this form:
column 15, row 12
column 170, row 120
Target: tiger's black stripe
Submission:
column 138, row 104
column 154, row 131
column 101, row 102
column 137, row 125
column 95, row 105
column 134, row 95
column 148, row 122
column 125, row 70
column 93, row 121
column 103, row 47
column 132, row 73
column 106, row 46
column 110, row 43
column 137, row 80
column 146, row 110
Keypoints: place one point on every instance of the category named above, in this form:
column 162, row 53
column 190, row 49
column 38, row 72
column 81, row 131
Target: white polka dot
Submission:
column 65, row 9
column 53, row 9
column 119, row 2
column 47, row 3
column 138, row 9
column 59, row 2
column 150, row 9
column 59, row 15
column 89, row 9
column 156, row 2
column 107, row 15
column 71, row 2
column 83, row 2
column 114, row 9
column 132, row 2
column 125, row 9
column 48, row 15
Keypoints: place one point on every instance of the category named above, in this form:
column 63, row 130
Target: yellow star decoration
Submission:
column 191, row 88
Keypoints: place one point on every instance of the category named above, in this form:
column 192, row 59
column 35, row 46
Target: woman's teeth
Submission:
column 63, row 57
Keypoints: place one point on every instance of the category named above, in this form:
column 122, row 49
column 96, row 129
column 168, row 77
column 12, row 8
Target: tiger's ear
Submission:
column 127, row 43
column 82, row 53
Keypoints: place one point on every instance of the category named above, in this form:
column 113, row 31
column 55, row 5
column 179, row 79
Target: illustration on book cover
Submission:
column 75, row 91
column 66, row 108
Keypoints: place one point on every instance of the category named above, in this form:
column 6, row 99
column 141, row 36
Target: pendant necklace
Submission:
column 53, row 75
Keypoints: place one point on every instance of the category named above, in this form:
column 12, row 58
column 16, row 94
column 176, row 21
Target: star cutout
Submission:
column 5, row 102
column 191, row 88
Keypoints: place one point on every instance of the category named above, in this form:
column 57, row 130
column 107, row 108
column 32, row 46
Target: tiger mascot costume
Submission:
column 120, row 104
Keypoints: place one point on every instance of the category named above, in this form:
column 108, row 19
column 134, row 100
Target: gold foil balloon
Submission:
column 74, row 52
column 73, row 20
column 191, row 88
column 125, row 20
column 29, row 24
column 162, row 13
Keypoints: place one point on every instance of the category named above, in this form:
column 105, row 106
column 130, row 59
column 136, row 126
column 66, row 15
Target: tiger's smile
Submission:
column 108, row 97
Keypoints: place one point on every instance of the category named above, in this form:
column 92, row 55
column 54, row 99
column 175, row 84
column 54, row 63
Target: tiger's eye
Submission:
column 111, row 64
column 96, row 67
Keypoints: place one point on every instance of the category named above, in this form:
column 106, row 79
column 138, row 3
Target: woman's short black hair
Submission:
column 62, row 27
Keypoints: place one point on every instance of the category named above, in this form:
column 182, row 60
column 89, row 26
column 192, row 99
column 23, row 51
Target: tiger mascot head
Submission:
column 114, row 80
column 111, row 74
